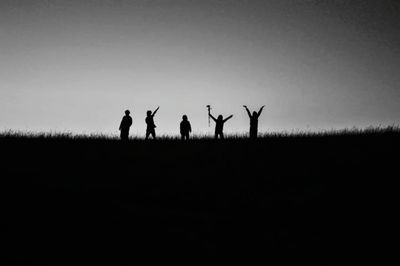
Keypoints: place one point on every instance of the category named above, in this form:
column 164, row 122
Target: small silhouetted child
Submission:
column 253, row 121
column 185, row 128
column 150, row 124
column 219, row 125
column 125, row 125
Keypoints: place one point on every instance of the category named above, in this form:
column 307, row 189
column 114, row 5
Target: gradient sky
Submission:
column 77, row 65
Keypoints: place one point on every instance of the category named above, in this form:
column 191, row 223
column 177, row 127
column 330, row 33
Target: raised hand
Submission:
column 247, row 110
column 229, row 117
column 155, row 111
column 259, row 112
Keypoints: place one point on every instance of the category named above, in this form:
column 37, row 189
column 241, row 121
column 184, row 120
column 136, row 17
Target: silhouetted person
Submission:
column 219, row 125
column 150, row 124
column 125, row 125
column 185, row 127
column 253, row 121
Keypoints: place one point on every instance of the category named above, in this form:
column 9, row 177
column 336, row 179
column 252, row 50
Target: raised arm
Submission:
column 260, row 111
column 155, row 111
column 247, row 110
column 213, row 118
column 229, row 117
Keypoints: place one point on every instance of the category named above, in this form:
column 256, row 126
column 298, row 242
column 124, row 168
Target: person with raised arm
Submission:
column 254, row 121
column 219, row 125
column 150, row 123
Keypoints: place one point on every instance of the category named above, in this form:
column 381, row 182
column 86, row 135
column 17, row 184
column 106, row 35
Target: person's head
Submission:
column 220, row 117
column 254, row 113
column 149, row 113
column 184, row 118
column 127, row 112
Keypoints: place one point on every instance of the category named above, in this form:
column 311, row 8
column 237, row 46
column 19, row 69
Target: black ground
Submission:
column 91, row 200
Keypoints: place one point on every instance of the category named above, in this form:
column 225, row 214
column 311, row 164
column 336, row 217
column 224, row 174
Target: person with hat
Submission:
column 125, row 125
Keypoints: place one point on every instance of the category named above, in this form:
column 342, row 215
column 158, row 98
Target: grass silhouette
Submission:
column 93, row 198
column 371, row 130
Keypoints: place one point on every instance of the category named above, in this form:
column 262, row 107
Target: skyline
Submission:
column 77, row 66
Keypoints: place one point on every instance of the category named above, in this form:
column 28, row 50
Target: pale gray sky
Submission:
column 77, row 65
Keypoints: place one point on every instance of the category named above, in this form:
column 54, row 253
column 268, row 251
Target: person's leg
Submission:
column 124, row 135
column 222, row 135
column 147, row 134
column 153, row 133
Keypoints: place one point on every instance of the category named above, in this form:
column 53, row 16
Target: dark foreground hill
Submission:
column 96, row 200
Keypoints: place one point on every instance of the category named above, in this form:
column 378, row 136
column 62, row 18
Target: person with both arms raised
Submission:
column 219, row 125
column 254, row 121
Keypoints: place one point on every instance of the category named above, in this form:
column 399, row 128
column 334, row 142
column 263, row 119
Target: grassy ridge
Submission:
column 372, row 130
column 76, row 198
